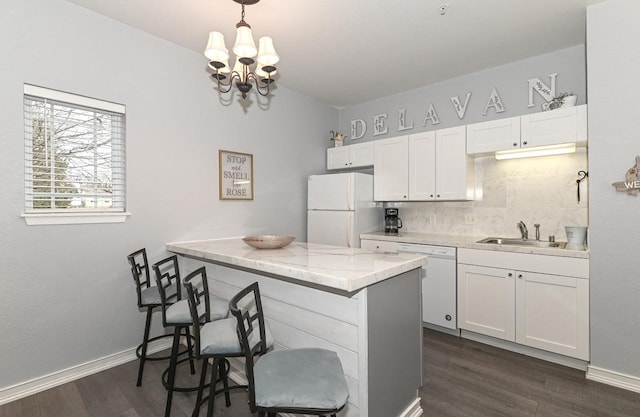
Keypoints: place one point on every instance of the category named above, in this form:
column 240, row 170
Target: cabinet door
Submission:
column 422, row 166
column 361, row 155
column 486, row 301
column 554, row 127
column 338, row 158
column 494, row 135
column 391, row 173
column 553, row 313
column 454, row 169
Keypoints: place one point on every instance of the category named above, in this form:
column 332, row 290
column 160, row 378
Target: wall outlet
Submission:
column 432, row 219
column 470, row 218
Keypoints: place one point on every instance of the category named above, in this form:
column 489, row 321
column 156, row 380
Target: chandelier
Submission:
column 245, row 51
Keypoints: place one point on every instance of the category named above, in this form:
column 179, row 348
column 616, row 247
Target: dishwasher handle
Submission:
column 434, row 251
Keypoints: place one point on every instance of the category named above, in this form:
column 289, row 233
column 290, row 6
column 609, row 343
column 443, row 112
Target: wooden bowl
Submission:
column 268, row 241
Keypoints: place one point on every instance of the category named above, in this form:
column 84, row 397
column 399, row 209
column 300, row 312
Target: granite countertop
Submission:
column 337, row 268
column 470, row 242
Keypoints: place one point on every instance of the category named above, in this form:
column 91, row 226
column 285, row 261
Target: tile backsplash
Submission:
column 535, row 190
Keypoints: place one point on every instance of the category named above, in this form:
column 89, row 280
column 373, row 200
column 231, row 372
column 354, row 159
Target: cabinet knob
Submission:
column 404, row 196
column 431, row 195
column 524, row 142
column 515, row 144
column 438, row 195
column 519, row 276
column 509, row 274
column 447, row 317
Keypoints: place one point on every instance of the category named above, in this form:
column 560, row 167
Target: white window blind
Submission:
column 74, row 153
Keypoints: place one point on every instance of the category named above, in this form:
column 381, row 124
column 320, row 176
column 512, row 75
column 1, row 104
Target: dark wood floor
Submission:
column 461, row 378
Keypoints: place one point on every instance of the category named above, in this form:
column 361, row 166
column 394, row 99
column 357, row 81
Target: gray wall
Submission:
column 67, row 294
column 613, row 63
column 509, row 80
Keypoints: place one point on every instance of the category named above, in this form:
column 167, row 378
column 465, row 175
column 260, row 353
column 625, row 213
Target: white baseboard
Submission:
column 42, row 383
column 617, row 379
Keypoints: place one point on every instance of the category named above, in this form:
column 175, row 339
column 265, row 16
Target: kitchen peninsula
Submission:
column 361, row 304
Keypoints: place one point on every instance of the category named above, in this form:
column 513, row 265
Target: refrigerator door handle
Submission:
column 349, row 229
column 349, row 192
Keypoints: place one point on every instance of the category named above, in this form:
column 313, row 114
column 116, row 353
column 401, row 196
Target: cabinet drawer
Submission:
column 379, row 245
column 556, row 265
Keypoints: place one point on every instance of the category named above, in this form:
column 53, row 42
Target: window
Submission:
column 74, row 158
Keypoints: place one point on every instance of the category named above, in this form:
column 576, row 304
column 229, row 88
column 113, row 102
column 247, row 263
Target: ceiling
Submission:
column 345, row 52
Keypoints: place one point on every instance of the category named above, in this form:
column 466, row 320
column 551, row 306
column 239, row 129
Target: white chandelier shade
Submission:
column 245, row 69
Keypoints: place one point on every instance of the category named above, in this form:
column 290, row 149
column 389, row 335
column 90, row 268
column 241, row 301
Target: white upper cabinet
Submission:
column 352, row 156
column 554, row 127
column 536, row 129
column 494, row 135
column 454, row 170
column 423, row 167
column 391, row 173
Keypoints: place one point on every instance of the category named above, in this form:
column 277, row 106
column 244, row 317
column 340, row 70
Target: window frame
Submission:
column 73, row 216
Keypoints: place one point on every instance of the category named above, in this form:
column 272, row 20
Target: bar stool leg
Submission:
column 145, row 341
column 203, row 379
column 212, row 388
column 190, row 349
column 224, row 372
column 172, row 369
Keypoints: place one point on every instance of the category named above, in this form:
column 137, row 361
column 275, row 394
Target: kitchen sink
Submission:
column 520, row 242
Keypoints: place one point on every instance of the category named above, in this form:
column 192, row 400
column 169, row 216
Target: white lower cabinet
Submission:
column 540, row 301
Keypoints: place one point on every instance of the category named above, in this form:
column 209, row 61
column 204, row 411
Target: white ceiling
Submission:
column 345, row 52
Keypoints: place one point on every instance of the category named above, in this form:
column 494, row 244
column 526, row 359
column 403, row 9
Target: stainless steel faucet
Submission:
column 523, row 230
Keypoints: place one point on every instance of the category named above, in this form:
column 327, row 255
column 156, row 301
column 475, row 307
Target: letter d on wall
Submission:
column 354, row 128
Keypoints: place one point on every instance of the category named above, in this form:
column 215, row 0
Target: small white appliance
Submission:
column 439, row 284
column 340, row 207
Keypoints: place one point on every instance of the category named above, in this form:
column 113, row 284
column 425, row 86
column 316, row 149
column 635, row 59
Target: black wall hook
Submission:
column 582, row 175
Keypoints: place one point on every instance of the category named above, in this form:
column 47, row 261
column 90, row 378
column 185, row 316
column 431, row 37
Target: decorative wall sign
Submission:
column 460, row 108
column 354, row 128
column 380, row 121
column 494, row 101
column 236, row 175
column 632, row 180
column 431, row 116
column 379, row 126
column 402, row 120
column 548, row 93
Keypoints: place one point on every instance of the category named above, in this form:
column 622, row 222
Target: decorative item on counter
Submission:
column 582, row 175
column 336, row 137
column 632, row 180
column 268, row 241
column 563, row 100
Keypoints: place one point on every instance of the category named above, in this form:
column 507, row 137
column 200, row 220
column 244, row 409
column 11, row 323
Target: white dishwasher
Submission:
column 439, row 287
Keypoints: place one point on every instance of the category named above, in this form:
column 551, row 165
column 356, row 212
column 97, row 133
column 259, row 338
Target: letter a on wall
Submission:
column 494, row 101
column 431, row 116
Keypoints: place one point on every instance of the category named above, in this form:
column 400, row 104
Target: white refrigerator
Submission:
column 340, row 207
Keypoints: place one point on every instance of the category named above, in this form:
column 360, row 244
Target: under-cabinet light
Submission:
column 539, row 151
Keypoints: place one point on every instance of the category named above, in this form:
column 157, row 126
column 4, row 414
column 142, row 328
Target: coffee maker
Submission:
column 391, row 220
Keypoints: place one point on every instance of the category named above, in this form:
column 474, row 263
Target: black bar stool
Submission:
column 148, row 299
column 176, row 314
column 216, row 340
column 298, row 381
